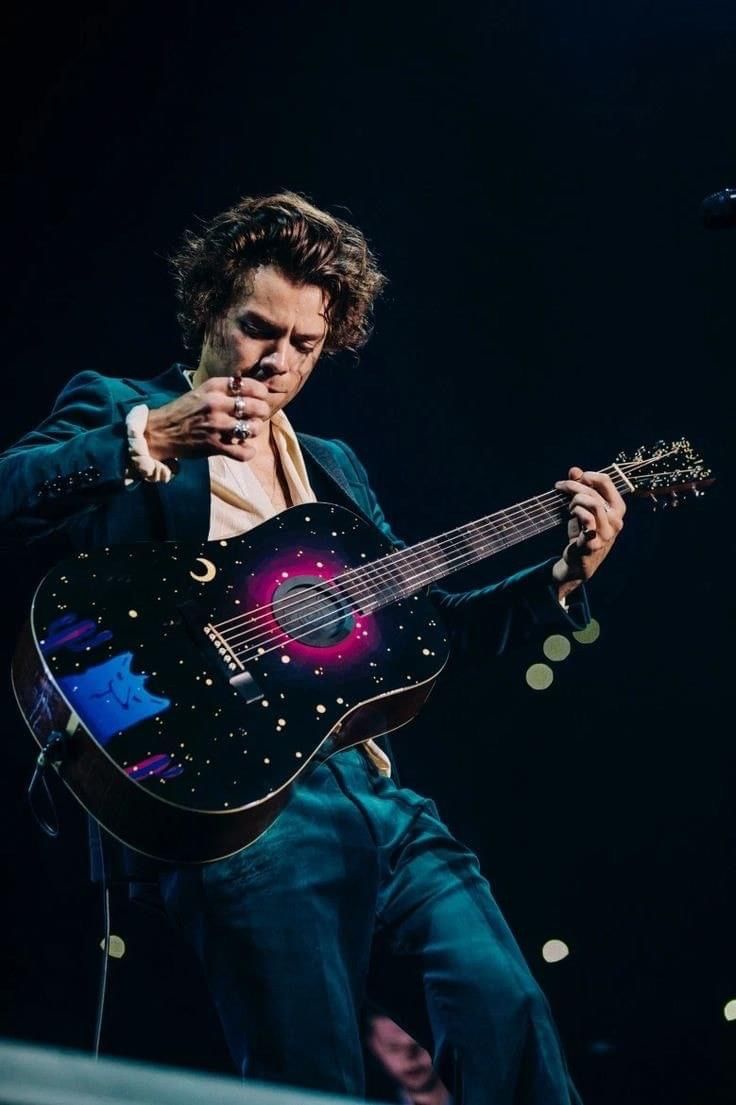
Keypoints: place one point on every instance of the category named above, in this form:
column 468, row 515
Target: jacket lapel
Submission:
column 327, row 477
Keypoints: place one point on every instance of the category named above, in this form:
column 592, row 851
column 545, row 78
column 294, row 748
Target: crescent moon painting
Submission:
column 209, row 571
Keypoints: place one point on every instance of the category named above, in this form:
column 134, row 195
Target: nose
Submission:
column 274, row 362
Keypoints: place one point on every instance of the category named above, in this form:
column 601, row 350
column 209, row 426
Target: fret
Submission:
column 473, row 541
column 415, row 561
column 404, row 572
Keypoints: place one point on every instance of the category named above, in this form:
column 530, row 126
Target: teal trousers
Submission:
column 359, row 892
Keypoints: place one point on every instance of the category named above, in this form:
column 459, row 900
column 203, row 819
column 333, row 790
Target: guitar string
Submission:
column 305, row 628
column 381, row 565
column 416, row 583
column 359, row 580
column 487, row 540
column 384, row 569
column 448, row 566
column 381, row 569
column 358, row 583
column 381, row 573
column 419, row 547
column 387, row 570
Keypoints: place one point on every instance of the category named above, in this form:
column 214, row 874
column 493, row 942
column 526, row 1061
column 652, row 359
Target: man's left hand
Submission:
column 596, row 519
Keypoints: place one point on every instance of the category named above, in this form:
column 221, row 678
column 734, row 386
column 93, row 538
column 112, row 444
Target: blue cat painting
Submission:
column 110, row 698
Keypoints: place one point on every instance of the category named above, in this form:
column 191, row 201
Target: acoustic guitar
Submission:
column 180, row 690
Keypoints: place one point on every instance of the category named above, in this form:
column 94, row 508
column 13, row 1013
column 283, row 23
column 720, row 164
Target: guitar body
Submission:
column 180, row 690
column 192, row 685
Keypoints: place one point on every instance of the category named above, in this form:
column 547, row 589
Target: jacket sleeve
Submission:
column 71, row 464
column 500, row 615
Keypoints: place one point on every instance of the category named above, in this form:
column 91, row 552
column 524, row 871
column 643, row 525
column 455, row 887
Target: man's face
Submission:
column 275, row 334
column 402, row 1056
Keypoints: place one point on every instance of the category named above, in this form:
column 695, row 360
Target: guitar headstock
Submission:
column 664, row 472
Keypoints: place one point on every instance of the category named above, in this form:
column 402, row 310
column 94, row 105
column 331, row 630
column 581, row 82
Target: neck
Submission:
column 265, row 444
column 200, row 375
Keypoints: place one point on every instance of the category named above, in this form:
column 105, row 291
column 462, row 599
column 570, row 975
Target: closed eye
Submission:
column 253, row 330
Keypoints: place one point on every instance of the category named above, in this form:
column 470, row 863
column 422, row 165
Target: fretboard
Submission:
column 405, row 572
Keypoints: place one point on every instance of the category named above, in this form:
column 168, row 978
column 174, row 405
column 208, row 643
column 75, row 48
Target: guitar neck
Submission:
column 403, row 573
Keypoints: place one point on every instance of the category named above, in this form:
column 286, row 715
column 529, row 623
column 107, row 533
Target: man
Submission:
column 406, row 1062
column 358, row 889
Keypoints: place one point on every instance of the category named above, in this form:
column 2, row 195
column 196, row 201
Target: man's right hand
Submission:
column 200, row 423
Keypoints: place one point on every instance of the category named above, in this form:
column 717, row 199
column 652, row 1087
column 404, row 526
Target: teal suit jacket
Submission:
column 63, row 486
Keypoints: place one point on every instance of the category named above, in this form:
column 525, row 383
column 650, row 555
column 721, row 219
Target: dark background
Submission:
column 530, row 175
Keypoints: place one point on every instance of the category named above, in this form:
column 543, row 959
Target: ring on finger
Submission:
column 234, row 385
column 239, row 405
column 241, row 430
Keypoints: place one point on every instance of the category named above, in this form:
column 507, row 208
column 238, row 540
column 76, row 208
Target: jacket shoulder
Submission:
column 96, row 387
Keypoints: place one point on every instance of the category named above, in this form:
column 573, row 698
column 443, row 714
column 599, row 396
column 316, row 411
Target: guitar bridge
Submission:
column 223, row 650
column 237, row 676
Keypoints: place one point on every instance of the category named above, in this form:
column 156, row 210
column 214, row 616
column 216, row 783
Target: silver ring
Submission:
column 241, row 430
column 234, row 385
column 239, row 406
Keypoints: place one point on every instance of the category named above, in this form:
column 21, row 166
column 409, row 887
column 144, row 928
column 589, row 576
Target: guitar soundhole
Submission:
column 312, row 611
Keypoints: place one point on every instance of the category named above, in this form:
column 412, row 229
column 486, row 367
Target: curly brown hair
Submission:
column 309, row 246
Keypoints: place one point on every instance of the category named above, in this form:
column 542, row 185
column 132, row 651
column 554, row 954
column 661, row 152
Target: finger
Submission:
column 606, row 488
column 242, row 452
column 221, row 414
column 218, row 433
column 609, row 519
column 221, row 424
column 570, row 486
column 589, row 537
column 248, row 386
column 573, row 527
column 585, row 519
column 252, row 426
column 575, row 473
column 227, row 436
column 249, row 406
column 575, row 488
column 599, row 482
column 605, row 522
